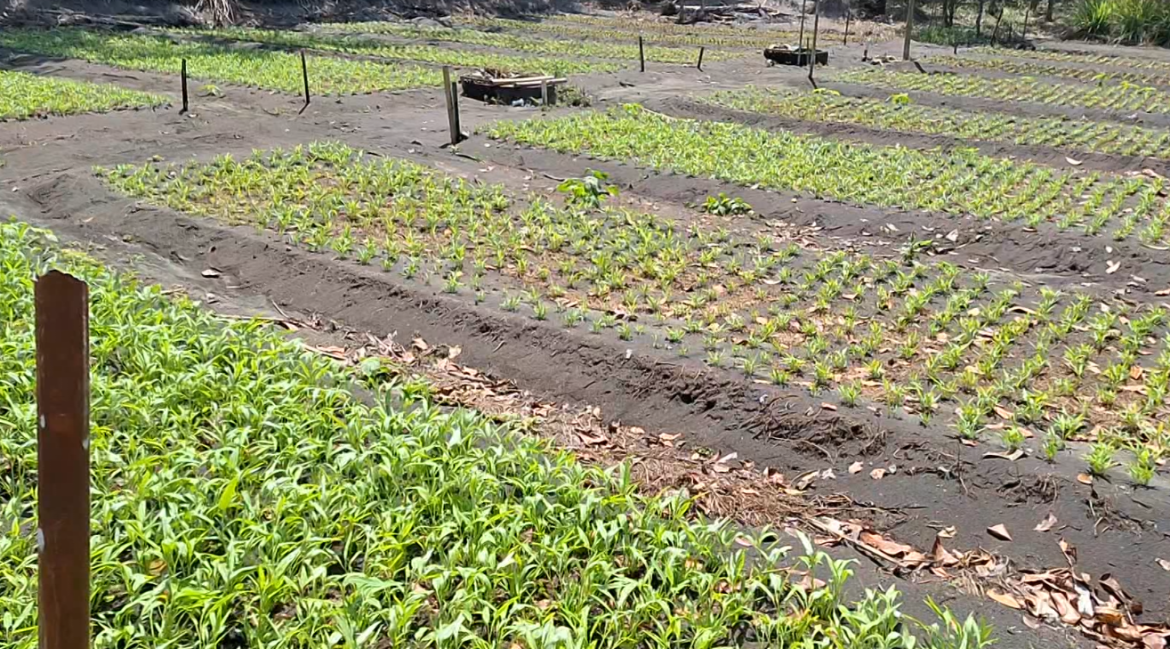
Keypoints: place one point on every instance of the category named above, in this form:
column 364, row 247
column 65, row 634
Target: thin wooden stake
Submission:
column 995, row 32
column 641, row 53
column 909, row 30
column 800, row 38
column 700, row 63
column 812, row 61
column 183, row 75
column 305, row 76
column 544, row 92
column 1024, row 34
column 62, row 349
column 848, row 16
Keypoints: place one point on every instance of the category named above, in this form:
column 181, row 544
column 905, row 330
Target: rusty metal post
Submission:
column 62, row 339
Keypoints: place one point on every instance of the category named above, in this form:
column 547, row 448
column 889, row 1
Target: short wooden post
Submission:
column 544, row 92
column 451, row 94
column 62, row 350
column 641, row 53
column 183, row 76
column 305, row 76
column 848, row 16
column 909, row 30
column 699, row 65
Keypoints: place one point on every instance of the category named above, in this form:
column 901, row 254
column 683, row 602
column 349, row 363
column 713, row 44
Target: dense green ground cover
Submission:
column 243, row 497
column 900, row 113
column 246, row 67
column 25, row 95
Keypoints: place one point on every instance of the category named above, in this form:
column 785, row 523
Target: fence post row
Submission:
column 62, row 352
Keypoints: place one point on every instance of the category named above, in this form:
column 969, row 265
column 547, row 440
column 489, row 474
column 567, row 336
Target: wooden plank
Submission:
column 62, row 349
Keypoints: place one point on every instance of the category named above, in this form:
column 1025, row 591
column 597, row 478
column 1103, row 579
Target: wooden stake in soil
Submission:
column 62, row 350
column 800, row 38
column 812, row 54
column 544, row 93
column 305, row 76
column 1024, row 34
column 995, row 32
column 845, row 38
column 641, row 54
column 451, row 94
column 909, row 30
column 699, row 65
column 183, row 76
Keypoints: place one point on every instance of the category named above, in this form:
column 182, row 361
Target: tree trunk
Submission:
column 979, row 20
column 1048, row 12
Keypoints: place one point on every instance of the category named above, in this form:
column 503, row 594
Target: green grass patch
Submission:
column 827, row 106
column 1123, row 96
column 424, row 53
column 24, row 95
column 242, row 495
column 246, row 67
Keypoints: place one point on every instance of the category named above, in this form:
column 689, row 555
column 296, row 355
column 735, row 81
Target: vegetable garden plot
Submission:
column 899, row 113
column 1013, row 361
column 423, row 53
column 1015, row 66
column 24, row 95
column 255, row 68
column 242, row 496
column 629, row 33
column 527, row 42
column 1120, row 60
column 1118, row 97
column 961, row 182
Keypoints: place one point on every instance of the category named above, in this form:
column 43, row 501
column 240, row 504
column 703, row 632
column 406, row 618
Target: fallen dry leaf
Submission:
column 1164, row 563
column 1073, row 161
column 1162, row 293
column 877, row 474
column 210, row 273
column 1007, row 599
column 1112, row 267
column 1046, row 524
column 940, row 555
column 1000, row 532
column 454, row 352
column 828, row 406
column 1004, row 413
column 1010, row 457
column 948, row 532
column 1085, row 478
column 855, row 467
